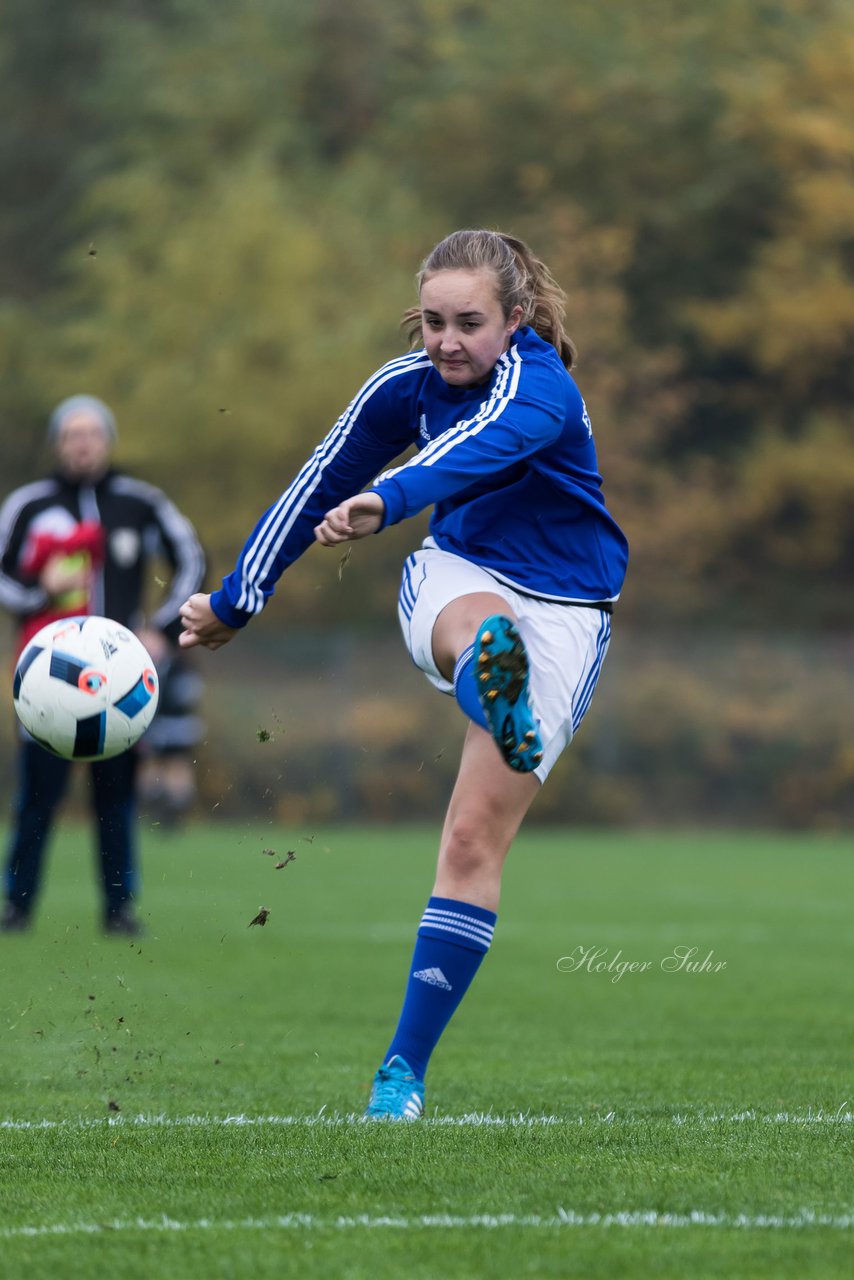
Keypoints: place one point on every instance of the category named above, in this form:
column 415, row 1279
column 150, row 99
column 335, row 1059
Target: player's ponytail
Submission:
column 522, row 280
column 546, row 301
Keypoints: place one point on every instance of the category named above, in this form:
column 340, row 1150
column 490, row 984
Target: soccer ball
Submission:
column 85, row 688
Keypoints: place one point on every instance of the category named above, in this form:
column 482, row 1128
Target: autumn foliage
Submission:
column 214, row 213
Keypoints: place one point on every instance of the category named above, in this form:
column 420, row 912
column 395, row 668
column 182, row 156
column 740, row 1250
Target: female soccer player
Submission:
column 506, row 605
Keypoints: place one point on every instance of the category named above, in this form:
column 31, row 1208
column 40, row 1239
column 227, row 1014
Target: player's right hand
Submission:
column 201, row 625
column 357, row 517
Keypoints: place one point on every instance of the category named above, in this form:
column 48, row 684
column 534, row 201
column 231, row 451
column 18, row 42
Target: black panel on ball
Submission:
column 89, row 738
column 28, row 657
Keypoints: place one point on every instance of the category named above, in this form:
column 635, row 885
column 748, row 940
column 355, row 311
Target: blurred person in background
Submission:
column 166, row 786
column 80, row 542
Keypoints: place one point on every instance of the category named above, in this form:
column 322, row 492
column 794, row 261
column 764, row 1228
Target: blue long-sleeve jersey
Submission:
column 509, row 466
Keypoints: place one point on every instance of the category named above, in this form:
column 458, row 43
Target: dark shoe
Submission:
column 14, row 919
column 123, row 924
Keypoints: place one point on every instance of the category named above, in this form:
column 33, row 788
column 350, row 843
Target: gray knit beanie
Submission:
column 76, row 404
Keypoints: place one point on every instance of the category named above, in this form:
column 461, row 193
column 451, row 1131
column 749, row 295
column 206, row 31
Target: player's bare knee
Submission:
column 470, row 846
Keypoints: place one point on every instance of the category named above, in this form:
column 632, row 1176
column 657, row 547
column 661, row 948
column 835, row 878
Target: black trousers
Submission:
column 42, row 781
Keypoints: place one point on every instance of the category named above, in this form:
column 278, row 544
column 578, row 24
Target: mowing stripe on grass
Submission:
column 562, row 1218
column 475, row 1118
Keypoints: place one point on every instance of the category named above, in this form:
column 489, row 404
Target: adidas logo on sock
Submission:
column 434, row 978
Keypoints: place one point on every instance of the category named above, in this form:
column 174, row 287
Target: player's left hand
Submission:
column 355, row 518
column 201, row 625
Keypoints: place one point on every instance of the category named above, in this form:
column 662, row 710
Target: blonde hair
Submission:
column 521, row 280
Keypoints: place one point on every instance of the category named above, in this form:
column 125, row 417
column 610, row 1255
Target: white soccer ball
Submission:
column 85, row 688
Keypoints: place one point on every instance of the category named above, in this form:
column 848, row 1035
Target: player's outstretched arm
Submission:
column 356, row 517
column 201, row 625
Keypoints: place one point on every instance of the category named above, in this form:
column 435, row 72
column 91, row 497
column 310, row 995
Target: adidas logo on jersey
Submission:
column 433, row 978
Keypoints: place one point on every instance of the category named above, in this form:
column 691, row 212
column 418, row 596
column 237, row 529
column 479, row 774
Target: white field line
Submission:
column 562, row 1218
column 521, row 1120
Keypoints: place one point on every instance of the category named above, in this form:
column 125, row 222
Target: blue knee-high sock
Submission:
column 465, row 688
column 453, row 938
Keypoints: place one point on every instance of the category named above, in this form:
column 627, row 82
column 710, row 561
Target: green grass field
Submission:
column 183, row 1106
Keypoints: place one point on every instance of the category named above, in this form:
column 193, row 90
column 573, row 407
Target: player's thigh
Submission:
column 487, row 806
column 488, row 791
column 431, row 581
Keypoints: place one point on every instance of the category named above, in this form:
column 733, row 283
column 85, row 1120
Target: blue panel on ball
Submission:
column 64, row 667
column 89, row 738
column 28, row 657
column 131, row 703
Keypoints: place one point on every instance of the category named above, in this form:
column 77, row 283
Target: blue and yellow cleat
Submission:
column 396, row 1094
column 501, row 665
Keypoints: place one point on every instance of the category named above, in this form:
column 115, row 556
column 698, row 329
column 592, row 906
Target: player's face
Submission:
column 465, row 329
column 83, row 447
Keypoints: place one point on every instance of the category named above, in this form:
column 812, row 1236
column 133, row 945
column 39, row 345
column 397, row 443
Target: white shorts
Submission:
column 566, row 643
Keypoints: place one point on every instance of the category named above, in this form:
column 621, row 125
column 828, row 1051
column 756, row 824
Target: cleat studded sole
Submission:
column 503, row 693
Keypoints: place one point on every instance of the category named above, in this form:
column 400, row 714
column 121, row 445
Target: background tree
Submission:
column 245, row 196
